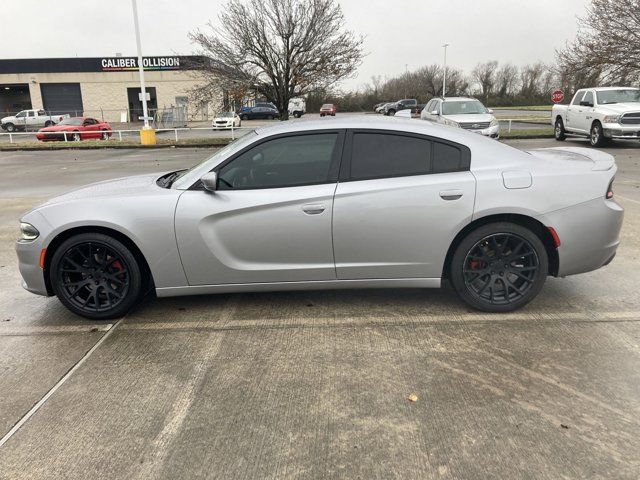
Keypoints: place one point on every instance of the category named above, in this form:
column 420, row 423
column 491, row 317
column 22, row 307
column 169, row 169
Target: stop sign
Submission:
column 557, row 96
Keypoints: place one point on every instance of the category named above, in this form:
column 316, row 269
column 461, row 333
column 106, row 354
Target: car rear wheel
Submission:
column 391, row 113
column 76, row 137
column 244, row 117
column 105, row 135
column 596, row 136
column 96, row 276
column 48, row 123
column 559, row 131
column 499, row 267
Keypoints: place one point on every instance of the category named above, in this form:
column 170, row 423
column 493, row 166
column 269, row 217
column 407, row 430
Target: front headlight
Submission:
column 28, row 232
column 494, row 123
column 451, row 123
column 611, row 119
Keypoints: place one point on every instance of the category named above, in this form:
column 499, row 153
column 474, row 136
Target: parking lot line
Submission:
column 60, row 382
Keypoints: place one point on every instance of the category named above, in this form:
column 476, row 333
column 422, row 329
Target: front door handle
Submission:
column 313, row 209
column 451, row 194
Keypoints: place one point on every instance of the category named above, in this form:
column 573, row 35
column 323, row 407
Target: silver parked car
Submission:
column 356, row 203
column 462, row 112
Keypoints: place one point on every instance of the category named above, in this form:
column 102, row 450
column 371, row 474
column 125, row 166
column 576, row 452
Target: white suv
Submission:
column 462, row 112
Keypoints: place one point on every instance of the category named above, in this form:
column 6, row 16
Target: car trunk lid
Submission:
column 596, row 160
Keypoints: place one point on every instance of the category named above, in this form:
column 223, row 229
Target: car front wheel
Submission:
column 95, row 276
column 499, row 267
column 596, row 136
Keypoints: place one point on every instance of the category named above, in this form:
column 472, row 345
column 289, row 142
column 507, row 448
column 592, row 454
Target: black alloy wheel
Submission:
column 96, row 276
column 499, row 267
column 104, row 135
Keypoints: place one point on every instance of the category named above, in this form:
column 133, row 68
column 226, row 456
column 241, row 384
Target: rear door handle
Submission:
column 451, row 194
column 313, row 209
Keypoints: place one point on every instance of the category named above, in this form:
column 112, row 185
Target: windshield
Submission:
column 207, row 164
column 461, row 108
column 76, row 122
column 327, row 105
column 225, row 114
column 618, row 96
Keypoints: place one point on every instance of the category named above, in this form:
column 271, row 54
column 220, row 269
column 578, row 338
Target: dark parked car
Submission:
column 407, row 103
column 254, row 113
column 257, row 104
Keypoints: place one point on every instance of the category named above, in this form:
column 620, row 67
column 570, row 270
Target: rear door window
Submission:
column 380, row 155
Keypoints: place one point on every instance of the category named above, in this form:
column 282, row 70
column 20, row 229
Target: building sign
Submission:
column 123, row 64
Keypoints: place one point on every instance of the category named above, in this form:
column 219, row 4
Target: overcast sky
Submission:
column 397, row 32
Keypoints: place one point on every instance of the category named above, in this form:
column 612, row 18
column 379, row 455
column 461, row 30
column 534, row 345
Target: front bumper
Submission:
column 29, row 265
column 621, row 132
column 493, row 132
column 222, row 126
column 589, row 235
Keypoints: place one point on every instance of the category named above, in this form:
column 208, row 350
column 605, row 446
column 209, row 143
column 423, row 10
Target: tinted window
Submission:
column 282, row 162
column 376, row 155
column 447, row 158
column 578, row 98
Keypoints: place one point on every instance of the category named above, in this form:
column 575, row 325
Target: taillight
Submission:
column 609, row 194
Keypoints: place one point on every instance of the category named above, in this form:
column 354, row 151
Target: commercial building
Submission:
column 102, row 87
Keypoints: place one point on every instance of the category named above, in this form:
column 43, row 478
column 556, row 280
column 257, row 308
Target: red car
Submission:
column 328, row 109
column 76, row 129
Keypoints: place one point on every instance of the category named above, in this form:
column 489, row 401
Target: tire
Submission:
column 104, row 135
column 559, row 132
column 322, row 114
column 488, row 283
column 270, row 117
column 76, row 137
column 391, row 113
column 596, row 135
column 84, row 275
column 244, row 117
column 10, row 127
column 297, row 114
column 48, row 123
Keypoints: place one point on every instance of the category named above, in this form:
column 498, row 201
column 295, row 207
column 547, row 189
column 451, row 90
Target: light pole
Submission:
column 444, row 77
column 406, row 79
column 147, row 135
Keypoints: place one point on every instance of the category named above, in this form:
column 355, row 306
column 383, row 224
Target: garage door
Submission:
column 60, row 98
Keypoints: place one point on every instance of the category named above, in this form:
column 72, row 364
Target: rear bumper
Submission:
column 589, row 235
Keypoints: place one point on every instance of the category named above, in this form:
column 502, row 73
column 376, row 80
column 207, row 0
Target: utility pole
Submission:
column 147, row 135
column 406, row 79
column 444, row 78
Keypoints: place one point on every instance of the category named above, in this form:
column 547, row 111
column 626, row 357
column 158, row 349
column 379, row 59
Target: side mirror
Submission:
column 490, row 111
column 210, row 181
column 434, row 112
column 586, row 104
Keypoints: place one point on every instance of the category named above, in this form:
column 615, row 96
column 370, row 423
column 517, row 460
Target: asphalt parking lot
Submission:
column 316, row 384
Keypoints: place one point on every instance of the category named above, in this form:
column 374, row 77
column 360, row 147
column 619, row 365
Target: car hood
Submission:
column 470, row 117
column 120, row 187
column 621, row 107
column 59, row 128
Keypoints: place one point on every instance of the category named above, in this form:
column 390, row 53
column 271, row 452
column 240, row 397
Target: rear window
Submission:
column 376, row 155
column 447, row 158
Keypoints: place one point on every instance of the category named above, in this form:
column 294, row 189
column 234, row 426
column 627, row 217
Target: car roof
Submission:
column 374, row 122
column 602, row 89
column 459, row 99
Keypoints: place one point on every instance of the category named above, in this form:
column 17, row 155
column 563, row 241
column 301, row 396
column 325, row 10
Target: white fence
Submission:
column 121, row 135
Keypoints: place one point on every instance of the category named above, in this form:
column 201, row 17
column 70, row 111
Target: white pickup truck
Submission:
column 30, row 120
column 601, row 114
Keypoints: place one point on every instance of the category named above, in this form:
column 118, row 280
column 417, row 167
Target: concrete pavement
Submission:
column 315, row 384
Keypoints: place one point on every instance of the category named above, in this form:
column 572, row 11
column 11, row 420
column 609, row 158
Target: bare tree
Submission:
column 485, row 75
column 506, row 78
column 607, row 42
column 279, row 48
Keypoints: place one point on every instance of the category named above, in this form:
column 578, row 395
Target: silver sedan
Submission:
column 349, row 203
